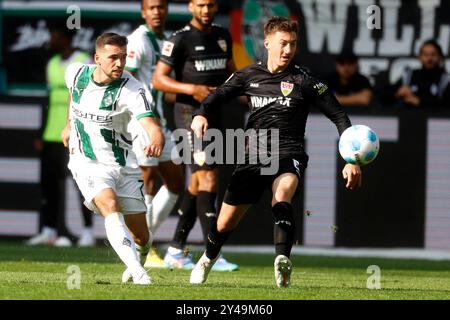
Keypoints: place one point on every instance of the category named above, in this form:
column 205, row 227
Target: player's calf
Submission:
column 284, row 228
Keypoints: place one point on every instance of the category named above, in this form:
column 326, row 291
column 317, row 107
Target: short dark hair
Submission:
column 433, row 43
column 111, row 39
column 275, row 24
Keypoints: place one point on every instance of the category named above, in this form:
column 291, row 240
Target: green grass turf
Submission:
column 41, row 273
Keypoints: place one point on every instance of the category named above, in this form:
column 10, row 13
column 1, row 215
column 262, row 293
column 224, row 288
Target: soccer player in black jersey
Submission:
column 201, row 56
column 280, row 94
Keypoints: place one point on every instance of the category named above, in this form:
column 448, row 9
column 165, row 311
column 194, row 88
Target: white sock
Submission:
column 173, row 250
column 163, row 204
column 122, row 241
column 149, row 215
column 143, row 251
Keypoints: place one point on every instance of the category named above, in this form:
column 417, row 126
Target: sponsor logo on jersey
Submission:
column 131, row 54
column 92, row 116
column 199, row 48
column 286, row 88
column 260, row 102
column 254, row 85
column 167, row 48
column 211, row 64
column 320, row 88
column 222, row 44
column 108, row 100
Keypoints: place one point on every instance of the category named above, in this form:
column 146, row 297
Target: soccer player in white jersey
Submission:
column 144, row 46
column 103, row 99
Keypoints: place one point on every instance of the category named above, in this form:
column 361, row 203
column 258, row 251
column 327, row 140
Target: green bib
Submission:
column 58, row 96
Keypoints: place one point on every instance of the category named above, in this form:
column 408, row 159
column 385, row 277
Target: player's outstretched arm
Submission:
column 352, row 173
column 152, row 128
column 199, row 125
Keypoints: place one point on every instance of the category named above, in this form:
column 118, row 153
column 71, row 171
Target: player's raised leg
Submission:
column 206, row 210
column 283, row 189
column 227, row 221
column 119, row 236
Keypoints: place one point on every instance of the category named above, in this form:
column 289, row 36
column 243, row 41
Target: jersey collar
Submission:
column 149, row 30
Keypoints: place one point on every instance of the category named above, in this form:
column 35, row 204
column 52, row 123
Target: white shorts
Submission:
column 142, row 140
column 93, row 177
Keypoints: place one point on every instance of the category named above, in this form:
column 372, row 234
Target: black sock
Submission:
column 186, row 221
column 284, row 228
column 206, row 210
column 215, row 241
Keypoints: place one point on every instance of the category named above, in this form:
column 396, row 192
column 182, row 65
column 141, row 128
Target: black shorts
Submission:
column 247, row 184
column 183, row 119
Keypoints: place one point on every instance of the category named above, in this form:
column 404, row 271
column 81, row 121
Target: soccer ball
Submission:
column 359, row 145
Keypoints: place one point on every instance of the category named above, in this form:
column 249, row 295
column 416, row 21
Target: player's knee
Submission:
column 282, row 195
column 282, row 213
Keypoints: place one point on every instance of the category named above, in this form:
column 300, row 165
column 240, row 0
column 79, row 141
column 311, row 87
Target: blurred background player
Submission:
column 201, row 56
column 103, row 99
column 54, row 156
column 428, row 86
column 143, row 49
column 350, row 87
column 289, row 90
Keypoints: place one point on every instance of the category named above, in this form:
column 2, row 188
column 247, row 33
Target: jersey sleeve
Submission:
column 136, row 101
column 71, row 73
column 326, row 102
column 134, row 54
column 233, row 87
column 172, row 50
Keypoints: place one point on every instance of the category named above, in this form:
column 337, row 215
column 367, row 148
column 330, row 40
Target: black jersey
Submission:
column 198, row 57
column 280, row 101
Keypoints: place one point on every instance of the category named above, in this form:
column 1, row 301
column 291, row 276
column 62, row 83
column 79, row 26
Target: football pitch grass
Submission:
column 42, row 273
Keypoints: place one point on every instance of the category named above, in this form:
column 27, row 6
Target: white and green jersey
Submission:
column 143, row 51
column 99, row 115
